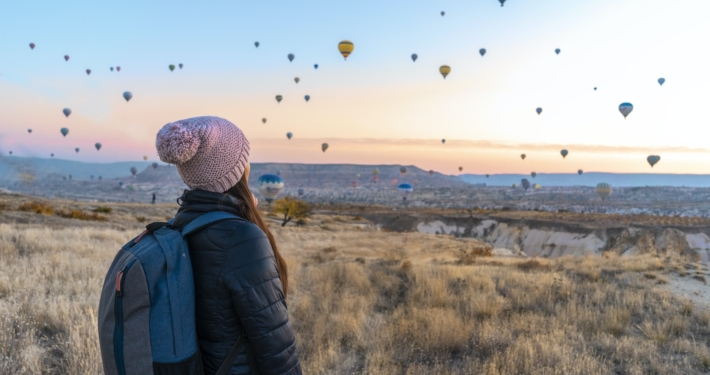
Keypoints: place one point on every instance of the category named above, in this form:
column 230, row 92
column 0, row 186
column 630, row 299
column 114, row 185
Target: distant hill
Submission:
column 15, row 169
column 593, row 178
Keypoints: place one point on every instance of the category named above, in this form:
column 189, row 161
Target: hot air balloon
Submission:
column 346, row 47
column 443, row 141
column 405, row 190
column 256, row 44
column 171, row 67
column 145, row 157
column 98, row 146
column 154, row 165
column 522, row 156
column 501, row 2
column 134, row 170
column 315, row 66
column 487, row 175
column 538, row 110
column 525, row 184
column 661, row 81
column 300, row 192
column 118, row 68
column 533, row 174
column 127, row 95
column 111, row 68
column 270, row 185
column 626, row 108
column 431, row 172
column 64, row 131
column 77, row 150
column 414, row 57
column 579, row 172
column 324, row 147
column 52, row 155
column 443, row 13
column 66, row 112
column 444, row 70
column 29, row 131
column 307, row 97
column 403, row 170
column 289, row 135
column 297, row 79
column 88, row 72
column 564, row 153
column 354, row 184
column 460, row 169
column 595, row 89
column 263, row 120
column 482, row 51
column 653, row 159
column 375, row 171
column 291, row 56
column 603, row 190
column 537, row 186
column 66, row 57
column 557, row 51
column 515, row 186
column 32, row 46
column 278, row 98
column 120, row 183
column 10, row 152
column 180, row 65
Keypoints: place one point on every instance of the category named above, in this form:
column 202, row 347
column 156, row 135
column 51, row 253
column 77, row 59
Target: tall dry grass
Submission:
column 357, row 310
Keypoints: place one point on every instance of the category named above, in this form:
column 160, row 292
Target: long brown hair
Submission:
column 250, row 212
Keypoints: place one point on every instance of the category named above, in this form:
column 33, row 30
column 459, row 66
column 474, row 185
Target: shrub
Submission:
column 81, row 215
column 531, row 265
column 292, row 208
column 141, row 219
column 103, row 210
column 330, row 249
column 37, row 207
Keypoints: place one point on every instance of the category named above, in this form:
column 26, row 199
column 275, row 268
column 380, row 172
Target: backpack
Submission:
column 147, row 306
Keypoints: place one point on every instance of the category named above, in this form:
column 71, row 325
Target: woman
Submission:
column 240, row 277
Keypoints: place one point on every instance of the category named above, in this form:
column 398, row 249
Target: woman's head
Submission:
column 210, row 153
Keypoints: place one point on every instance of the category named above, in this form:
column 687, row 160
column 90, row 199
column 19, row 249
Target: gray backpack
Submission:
column 147, row 306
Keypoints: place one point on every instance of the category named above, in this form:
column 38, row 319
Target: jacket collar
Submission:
column 196, row 202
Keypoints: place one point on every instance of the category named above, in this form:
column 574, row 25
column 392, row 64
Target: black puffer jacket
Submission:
column 237, row 289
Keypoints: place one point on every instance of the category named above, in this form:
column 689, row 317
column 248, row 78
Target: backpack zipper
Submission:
column 118, row 312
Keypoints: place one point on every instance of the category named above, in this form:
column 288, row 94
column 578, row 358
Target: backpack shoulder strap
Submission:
column 206, row 220
column 232, row 356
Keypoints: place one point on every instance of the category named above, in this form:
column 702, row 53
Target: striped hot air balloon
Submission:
column 346, row 47
column 603, row 190
column 444, row 70
column 270, row 185
column 626, row 108
column 405, row 190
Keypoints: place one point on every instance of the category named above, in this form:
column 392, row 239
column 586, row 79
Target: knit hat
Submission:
column 210, row 153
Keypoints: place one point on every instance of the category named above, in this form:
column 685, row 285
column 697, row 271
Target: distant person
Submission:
column 153, row 202
column 241, row 281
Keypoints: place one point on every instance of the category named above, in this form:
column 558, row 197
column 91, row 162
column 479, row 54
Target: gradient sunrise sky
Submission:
column 378, row 107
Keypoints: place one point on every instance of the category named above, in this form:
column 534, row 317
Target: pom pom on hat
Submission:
column 177, row 144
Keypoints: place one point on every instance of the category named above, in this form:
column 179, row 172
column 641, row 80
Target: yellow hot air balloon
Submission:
column 145, row 157
column 346, row 47
column 444, row 70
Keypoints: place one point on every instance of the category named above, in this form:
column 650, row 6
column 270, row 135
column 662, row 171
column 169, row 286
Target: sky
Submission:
column 378, row 107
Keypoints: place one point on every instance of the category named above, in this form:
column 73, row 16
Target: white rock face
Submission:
column 699, row 242
column 439, row 227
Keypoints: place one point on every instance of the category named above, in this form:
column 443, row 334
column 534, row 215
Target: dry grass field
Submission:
column 365, row 301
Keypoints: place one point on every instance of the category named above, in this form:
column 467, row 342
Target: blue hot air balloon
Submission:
column 127, row 95
column 315, row 66
column 270, row 185
column 301, row 192
column 661, row 81
column 525, row 184
column 120, row 183
column 291, row 56
column 405, row 190
column 289, row 135
column 414, row 57
column 538, row 110
column 66, row 112
column 482, row 51
column 64, row 131
column 256, row 44
column 557, row 51
column 626, row 108
column 307, row 97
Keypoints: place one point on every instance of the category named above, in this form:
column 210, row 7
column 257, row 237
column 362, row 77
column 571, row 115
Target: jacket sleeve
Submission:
column 251, row 275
